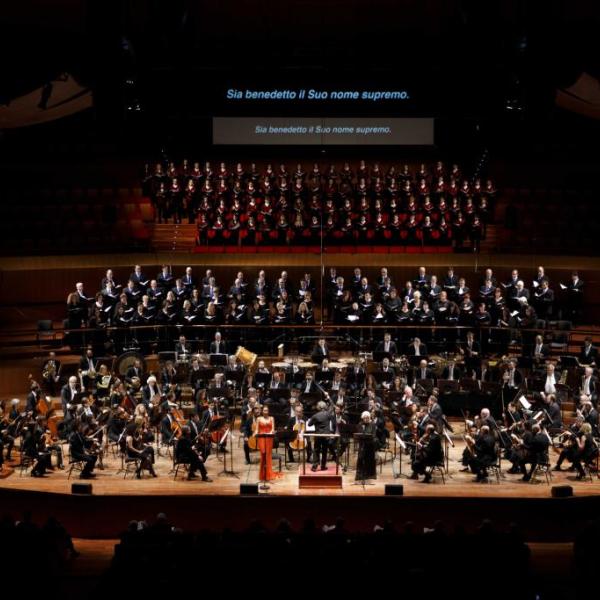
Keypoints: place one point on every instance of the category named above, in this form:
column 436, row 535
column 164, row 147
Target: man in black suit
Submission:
column 574, row 299
column 308, row 386
column 218, row 346
column 540, row 351
column 355, row 376
column 543, row 300
column 35, row 393
column 423, row 372
column 89, row 366
column 78, row 452
column 451, row 371
column 188, row 280
column 553, row 417
column 513, row 378
column 135, row 370
column 185, row 453
column 471, row 350
column 69, row 394
column 416, row 348
column 429, row 454
column 387, row 345
column 139, row 279
column 536, row 450
column 51, row 373
column 320, row 352
column 421, row 281
column 588, row 353
column 323, row 423
column 485, row 453
column 450, row 283
column 182, row 348
column 589, row 385
column 165, row 278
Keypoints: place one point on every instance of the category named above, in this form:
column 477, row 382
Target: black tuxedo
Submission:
column 319, row 353
column 221, row 349
column 140, row 280
column 457, row 374
column 185, row 453
column 324, row 422
column 393, row 350
column 422, row 350
column 133, row 372
column 589, row 357
column 418, row 374
column 66, row 397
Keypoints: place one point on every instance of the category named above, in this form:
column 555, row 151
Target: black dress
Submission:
column 366, row 465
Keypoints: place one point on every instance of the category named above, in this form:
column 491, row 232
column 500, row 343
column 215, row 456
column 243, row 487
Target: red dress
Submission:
column 265, row 445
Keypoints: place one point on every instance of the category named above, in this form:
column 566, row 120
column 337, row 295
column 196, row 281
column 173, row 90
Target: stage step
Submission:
column 174, row 238
column 491, row 239
column 320, row 480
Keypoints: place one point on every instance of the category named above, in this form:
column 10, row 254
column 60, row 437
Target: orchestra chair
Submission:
column 593, row 465
column 45, row 329
column 438, row 468
column 25, row 464
column 185, row 465
column 496, row 468
column 383, row 455
column 560, row 333
column 130, row 465
column 542, row 468
column 75, row 465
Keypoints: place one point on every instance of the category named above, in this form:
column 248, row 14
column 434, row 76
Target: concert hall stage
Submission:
column 195, row 505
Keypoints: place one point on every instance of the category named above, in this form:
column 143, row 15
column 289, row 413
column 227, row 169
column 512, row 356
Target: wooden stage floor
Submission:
column 195, row 504
column 457, row 483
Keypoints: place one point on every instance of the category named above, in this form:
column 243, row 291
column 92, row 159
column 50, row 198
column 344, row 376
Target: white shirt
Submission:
column 550, row 385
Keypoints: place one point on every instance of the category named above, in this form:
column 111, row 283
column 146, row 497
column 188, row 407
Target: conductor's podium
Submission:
column 329, row 479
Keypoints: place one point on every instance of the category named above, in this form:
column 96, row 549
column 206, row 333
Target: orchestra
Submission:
column 407, row 376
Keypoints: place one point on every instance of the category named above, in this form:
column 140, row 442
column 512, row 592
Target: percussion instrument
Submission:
column 127, row 360
column 347, row 360
column 246, row 357
column 280, row 365
column 307, row 365
column 337, row 365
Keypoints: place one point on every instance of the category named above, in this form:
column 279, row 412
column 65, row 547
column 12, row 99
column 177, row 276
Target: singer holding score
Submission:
column 266, row 429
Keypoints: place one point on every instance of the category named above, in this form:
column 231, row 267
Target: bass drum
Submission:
column 127, row 360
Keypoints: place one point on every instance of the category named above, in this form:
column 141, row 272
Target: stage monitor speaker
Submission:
column 249, row 489
column 394, row 489
column 81, row 488
column 561, row 491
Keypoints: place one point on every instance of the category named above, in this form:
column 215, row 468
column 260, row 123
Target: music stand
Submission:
column 447, row 386
column 469, row 385
column 379, row 356
column 227, row 437
column 347, row 430
column 264, row 485
column 398, row 441
column 286, row 436
column 426, row 385
column 362, row 438
column 217, row 360
column 414, row 360
column 569, row 361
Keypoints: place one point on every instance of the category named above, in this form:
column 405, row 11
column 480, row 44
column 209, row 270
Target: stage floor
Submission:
column 195, row 505
column 457, row 483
